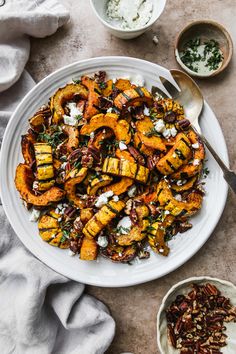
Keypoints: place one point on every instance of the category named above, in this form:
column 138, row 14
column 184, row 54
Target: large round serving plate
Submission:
column 103, row 272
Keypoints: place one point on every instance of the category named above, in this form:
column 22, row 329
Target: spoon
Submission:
column 190, row 97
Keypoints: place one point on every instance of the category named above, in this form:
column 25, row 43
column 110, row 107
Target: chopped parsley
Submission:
column 208, row 53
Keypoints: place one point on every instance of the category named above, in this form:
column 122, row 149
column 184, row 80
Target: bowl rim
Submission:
column 222, row 29
column 122, row 30
column 173, row 288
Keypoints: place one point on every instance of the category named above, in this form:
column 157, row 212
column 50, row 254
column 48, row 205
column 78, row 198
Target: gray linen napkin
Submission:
column 42, row 312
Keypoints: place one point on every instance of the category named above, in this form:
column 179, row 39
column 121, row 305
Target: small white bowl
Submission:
column 228, row 290
column 99, row 7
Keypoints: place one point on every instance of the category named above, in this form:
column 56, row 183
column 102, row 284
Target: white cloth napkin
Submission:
column 42, row 312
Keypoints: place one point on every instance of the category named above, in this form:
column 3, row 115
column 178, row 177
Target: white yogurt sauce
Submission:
column 129, row 14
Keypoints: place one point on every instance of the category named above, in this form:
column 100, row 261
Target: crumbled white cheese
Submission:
column 122, row 146
column 132, row 191
column 35, row 185
column 196, row 162
column 130, row 14
column 103, row 199
column 166, row 133
column 178, row 197
column 124, row 225
column 138, row 80
column 195, row 146
column 173, row 131
column 102, row 241
column 155, row 39
column 115, row 198
column 70, row 120
column 71, row 253
column 34, row 216
column 74, row 112
column 160, row 126
column 146, row 111
column 60, row 209
column 63, row 165
column 181, row 182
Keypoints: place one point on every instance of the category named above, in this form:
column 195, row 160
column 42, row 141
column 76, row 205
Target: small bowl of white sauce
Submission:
column 203, row 48
column 128, row 19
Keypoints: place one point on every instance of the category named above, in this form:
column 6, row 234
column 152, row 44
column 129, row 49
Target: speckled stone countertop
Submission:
column 134, row 308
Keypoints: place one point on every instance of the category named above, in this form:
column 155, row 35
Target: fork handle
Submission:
column 229, row 175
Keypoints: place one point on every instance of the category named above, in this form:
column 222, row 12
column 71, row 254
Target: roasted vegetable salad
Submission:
column 110, row 169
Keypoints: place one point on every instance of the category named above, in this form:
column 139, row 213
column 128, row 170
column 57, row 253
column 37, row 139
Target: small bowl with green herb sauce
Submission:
column 203, row 48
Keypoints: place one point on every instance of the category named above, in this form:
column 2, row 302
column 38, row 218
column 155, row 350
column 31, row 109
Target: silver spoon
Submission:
column 190, row 97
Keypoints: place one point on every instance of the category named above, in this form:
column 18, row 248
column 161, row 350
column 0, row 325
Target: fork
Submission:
column 188, row 94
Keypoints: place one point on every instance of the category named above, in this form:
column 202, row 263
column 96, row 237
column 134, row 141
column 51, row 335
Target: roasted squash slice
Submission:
column 89, row 249
column 102, row 218
column 86, row 214
column 186, row 186
column 178, row 155
column 37, row 122
column 49, row 230
column 145, row 128
column 24, row 180
column 195, row 167
column 137, row 232
column 123, row 84
column 109, row 88
column 125, row 155
column 175, row 207
column 62, row 96
column 94, row 94
column 97, row 183
column 125, row 168
column 70, row 186
column 120, row 186
column 156, row 239
column 44, row 162
column 109, row 120
column 73, row 137
column 132, row 96
column 27, row 147
column 148, row 151
column 120, row 254
column 100, row 137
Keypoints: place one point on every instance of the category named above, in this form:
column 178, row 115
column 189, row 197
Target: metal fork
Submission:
column 188, row 94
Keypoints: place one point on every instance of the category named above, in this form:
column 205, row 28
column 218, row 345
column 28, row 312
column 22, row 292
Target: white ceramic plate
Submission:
column 104, row 272
column 227, row 289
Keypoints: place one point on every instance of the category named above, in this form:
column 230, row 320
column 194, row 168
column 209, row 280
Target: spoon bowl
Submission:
column 189, row 96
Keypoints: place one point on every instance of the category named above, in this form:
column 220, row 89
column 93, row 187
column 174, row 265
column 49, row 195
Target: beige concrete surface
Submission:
column 134, row 308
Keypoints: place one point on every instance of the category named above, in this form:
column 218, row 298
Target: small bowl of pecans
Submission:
column 198, row 316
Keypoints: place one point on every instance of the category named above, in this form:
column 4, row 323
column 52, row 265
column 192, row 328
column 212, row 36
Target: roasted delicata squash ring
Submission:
column 97, row 183
column 94, row 94
column 132, row 96
column 145, row 128
column 27, row 147
column 195, row 167
column 63, row 95
column 24, row 180
column 110, row 169
column 102, row 218
column 125, row 168
column 70, row 186
column 109, row 120
column 73, row 137
column 178, row 155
